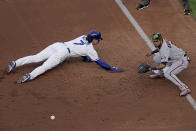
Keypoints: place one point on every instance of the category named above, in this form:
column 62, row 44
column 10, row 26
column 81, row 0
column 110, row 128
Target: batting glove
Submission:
column 117, row 69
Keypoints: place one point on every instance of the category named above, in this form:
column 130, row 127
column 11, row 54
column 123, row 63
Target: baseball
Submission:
column 52, row 117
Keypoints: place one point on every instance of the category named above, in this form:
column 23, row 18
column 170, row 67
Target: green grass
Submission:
column 193, row 7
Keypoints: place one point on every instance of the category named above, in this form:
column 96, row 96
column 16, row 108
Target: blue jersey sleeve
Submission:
column 103, row 64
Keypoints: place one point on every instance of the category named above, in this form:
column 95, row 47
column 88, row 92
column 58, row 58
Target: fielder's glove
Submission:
column 143, row 68
column 117, row 69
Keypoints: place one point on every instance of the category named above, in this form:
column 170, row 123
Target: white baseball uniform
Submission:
column 57, row 53
column 176, row 60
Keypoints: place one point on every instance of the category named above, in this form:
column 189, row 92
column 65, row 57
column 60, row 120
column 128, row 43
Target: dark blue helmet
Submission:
column 94, row 35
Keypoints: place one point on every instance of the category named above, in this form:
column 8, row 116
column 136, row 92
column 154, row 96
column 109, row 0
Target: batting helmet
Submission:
column 94, row 35
column 156, row 37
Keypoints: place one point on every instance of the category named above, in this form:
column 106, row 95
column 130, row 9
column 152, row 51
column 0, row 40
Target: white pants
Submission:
column 53, row 54
column 172, row 69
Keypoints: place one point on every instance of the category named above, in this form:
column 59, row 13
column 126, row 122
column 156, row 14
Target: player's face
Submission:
column 95, row 42
column 157, row 44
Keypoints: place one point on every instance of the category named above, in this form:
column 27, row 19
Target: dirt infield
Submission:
column 83, row 96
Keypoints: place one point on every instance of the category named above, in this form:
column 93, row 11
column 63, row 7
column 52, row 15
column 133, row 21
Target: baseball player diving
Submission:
column 57, row 52
column 170, row 61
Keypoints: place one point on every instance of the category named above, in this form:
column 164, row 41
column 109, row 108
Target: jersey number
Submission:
column 81, row 43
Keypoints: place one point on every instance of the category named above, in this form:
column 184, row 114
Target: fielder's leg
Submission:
column 171, row 73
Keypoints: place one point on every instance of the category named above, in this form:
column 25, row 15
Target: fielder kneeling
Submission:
column 59, row 51
column 170, row 61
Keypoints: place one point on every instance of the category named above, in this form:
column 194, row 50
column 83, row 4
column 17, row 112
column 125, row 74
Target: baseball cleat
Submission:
column 187, row 12
column 140, row 7
column 11, row 67
column 185, row 92
column 23, row 79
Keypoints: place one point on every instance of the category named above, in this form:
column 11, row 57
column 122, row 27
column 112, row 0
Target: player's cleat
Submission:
column 23, row 79
column 185, row 92
column 187, row 12
column 140, row 7
column 11, row 67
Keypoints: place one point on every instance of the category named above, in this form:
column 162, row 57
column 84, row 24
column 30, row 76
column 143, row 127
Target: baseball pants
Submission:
column 53, row 54
column 173, row 69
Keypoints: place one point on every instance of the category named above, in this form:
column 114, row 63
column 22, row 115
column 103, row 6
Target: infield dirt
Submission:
column 82, row 96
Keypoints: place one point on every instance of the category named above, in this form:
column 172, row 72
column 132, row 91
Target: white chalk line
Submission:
column 146, row 39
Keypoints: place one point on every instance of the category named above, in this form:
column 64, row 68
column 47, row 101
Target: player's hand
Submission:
column 117, row 69
column 148, row 54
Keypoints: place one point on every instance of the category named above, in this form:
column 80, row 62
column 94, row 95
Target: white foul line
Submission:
column 135, row 24
column 146, row 39
column 191, row 101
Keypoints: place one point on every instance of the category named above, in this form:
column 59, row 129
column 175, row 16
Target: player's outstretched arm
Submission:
column 108, row 67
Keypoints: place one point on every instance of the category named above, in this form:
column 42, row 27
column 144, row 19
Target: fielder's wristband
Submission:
column 155, row 51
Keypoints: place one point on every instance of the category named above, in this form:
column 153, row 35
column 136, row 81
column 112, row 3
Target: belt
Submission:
column 69, row 50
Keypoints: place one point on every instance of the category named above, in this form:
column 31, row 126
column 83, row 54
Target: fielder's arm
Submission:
column 161, row 66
